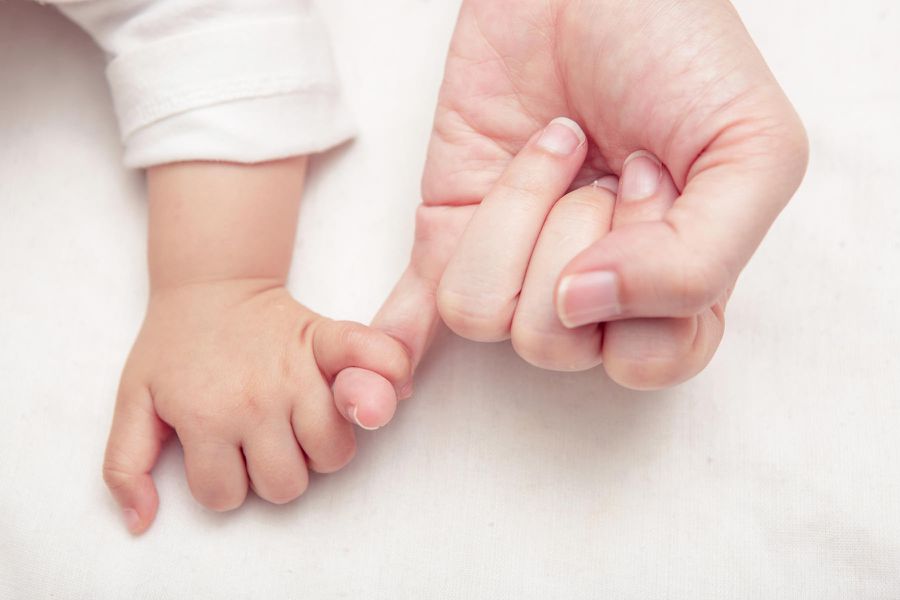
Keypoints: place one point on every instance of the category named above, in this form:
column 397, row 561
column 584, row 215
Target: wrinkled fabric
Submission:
column 217, row 79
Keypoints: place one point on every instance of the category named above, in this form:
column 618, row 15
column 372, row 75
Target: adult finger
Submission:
column 409, row 316
column 478, row 292
column 579, row 219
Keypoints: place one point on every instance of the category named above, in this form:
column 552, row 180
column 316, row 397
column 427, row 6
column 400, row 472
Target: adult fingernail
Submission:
column 641, row 176
column 562, row 136
column 356, row 419
column 588, row 298
column 610, row 182
column 132, row 519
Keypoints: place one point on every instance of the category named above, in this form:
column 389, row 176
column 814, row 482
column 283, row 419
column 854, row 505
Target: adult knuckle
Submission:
column 555, row 352
column 532, row 345
column 647, row 375
column 483, row 317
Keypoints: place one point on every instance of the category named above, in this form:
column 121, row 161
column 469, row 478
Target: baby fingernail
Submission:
column 609, row 182
column 588, row 298
column 406, row 391
column 132, row 519
column 641, row 176
column 353, row 414
column 562, row 136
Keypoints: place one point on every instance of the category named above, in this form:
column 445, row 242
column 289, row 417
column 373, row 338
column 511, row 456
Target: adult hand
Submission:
column 667, row 92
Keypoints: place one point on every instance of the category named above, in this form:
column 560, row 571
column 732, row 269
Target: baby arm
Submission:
column 226, row 358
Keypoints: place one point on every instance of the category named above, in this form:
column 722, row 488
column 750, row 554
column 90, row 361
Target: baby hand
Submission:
column 242, row 374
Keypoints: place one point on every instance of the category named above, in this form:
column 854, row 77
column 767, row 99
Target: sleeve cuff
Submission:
column 245, row 131
column 247, row 93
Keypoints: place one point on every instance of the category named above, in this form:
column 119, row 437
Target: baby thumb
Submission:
column 135, row 440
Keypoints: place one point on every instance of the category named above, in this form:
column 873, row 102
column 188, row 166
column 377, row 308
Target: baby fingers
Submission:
column 369, row 369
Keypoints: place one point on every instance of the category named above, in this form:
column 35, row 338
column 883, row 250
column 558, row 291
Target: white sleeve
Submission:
column 233, row 80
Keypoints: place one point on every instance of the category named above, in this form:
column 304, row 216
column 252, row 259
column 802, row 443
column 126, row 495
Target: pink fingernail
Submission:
column 132, row 519
column 353, row 412
column 641, row 177
column 406, row 391
column 610, row 182
column 562, row 137
column 588, row 298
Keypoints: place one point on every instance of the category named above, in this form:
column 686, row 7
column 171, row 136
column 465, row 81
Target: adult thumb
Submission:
column 681, row 265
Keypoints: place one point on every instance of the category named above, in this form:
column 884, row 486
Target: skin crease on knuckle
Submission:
column 487, row 318
column 114, row 475
column 657, row 373
column 648, row 376
column 552, row 353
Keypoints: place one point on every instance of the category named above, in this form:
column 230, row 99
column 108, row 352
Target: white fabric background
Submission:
column 773, row 475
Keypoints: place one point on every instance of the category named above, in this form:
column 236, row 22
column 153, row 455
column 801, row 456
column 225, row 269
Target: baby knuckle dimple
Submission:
column 255, row 407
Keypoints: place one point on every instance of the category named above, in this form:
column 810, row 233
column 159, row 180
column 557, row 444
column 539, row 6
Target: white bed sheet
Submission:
column 772, row 475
